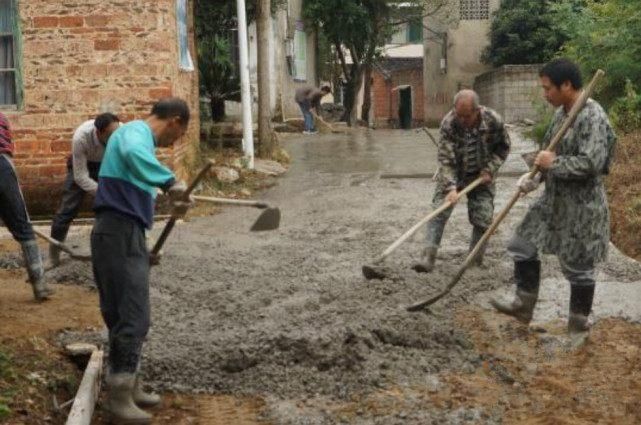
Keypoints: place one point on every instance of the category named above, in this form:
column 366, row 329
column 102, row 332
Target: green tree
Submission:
column 525, row 32
column 607, row 35
column 215, row 21
column 218, row 77
column 358, row 33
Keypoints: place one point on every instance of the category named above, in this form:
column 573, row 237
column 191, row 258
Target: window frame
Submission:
column 300, row 61
column 15, row 35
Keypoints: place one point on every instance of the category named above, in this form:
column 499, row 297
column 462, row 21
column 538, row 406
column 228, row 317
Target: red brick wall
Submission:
column 83, row 56
column 385, row 99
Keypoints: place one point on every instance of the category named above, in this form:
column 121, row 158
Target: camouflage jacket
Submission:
column 571, row 218
column 493, row 146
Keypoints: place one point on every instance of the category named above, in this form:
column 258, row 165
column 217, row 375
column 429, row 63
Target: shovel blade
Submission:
column 269, row 219
column 373, row 272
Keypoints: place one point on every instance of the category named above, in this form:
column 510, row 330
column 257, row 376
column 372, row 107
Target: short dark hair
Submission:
column 326, row 88
column 103, row 121
column 170, row 107
column 561, row 70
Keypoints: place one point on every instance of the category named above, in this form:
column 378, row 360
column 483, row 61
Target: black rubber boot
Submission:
column 427, row 261
column 527, row 275
column 477, row 234
column 581, row 298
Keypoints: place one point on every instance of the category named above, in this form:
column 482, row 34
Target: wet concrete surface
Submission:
column 287, row 315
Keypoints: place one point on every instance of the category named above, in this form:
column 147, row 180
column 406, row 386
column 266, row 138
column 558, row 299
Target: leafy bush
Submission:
column 626, row 111
column 525, row 32
column 544, row 113
column 605, row 34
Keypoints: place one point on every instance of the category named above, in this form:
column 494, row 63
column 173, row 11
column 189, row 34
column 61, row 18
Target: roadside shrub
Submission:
column 626, row 111
column 545, row 113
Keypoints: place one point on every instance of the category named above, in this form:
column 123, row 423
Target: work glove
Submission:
column 179, row 204
column 527, row 184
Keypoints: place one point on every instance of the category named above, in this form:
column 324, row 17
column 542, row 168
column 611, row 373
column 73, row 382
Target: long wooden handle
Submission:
column 424, row 220
column 569, row 120
column 172, row 221
column 241, row 202
column 61, row 246
column 427, row 131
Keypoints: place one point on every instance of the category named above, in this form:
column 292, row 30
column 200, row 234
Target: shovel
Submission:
column 376, row 272
column 269, row 219
column 172, row 221
column 569, row 120
column 62, row 246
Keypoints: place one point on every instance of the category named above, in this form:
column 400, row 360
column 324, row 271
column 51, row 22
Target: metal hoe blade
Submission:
column 269, row 219
column 374, row 272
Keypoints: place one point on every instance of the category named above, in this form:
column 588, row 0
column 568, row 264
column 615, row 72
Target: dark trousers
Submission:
column 121, row 270
column 72, row 197
column 13, row 211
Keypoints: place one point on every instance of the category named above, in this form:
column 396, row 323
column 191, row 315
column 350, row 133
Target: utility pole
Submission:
column 245, row 93
column 263, row 30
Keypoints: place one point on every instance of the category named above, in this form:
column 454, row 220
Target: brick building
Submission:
column 397, row 93
column 63, row 62
column 397, row 81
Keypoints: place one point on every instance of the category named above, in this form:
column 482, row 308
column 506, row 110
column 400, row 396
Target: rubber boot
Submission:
column 35, row 270
column 527, row 275
column 119, row 407
column 143, row 399
column 477, row 234
column 54, row 257
column 581, row 298
column 426, row 263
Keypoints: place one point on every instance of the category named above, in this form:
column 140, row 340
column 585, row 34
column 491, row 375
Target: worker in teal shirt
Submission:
column 129, row 177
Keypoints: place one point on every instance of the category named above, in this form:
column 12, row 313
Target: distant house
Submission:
column 397, row 81
column 454, row 42
column 63, row 62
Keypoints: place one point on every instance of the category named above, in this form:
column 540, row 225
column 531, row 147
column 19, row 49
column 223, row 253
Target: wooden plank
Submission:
column 88, row 392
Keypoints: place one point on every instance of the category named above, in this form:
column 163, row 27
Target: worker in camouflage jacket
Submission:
column 473, row 143
column 571, row 218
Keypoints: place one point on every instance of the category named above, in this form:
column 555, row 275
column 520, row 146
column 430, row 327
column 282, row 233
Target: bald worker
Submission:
column 473, row 143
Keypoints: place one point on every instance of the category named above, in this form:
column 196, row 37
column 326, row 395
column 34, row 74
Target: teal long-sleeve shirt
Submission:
column 130, row 174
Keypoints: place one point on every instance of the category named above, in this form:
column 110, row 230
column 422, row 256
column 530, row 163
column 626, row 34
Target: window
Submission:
column 185, row 63
column 9, row 75
column 475, row 9
column 300, row 55
column 400, row 36
column 415, row 31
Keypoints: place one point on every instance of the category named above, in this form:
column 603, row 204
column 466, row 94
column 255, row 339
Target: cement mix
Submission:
column 287, row 315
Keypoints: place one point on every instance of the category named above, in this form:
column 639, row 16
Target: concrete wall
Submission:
column 511, row 90
column 465, row 42
column 83, row 56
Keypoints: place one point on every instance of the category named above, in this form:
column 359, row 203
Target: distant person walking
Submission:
column 308, row 98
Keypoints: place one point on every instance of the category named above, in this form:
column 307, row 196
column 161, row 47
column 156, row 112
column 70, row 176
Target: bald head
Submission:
column 467, row 107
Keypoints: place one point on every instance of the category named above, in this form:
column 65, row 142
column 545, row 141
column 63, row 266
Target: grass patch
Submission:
column 32, row 372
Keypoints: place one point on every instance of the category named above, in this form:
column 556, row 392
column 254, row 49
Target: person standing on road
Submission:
column 13, row 213
column 473, row 143
column 87, row 148
column 571, row 218
column 128, row 180
column 308, row 98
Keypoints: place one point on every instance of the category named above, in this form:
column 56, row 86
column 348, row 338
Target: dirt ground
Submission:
column 282, row 328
